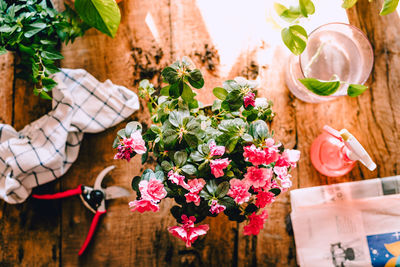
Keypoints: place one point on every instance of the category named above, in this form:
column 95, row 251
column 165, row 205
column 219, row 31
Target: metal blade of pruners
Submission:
column 113, row 192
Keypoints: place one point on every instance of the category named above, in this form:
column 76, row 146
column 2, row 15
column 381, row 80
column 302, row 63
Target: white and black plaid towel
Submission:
column 45, row 149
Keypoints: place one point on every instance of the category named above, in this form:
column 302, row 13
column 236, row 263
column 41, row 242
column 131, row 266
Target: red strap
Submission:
column 68, row 193
column 91, row 231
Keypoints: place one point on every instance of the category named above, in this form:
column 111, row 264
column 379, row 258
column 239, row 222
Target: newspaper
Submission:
column 348, row 224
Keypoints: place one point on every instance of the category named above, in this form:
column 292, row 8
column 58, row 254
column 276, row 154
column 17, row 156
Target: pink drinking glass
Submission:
column 334, row 50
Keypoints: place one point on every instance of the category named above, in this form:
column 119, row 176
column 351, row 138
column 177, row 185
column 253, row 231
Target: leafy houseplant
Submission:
column 34, row 30
column 209, row 159
column 295, row 38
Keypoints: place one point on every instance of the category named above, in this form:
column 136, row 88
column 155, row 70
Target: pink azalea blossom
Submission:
column 239, row 191
column 264, row 198
column 286, row 182
column 254, row 155
column 249, row 99
column 216, row 150
column 196, row 185
column 216, row 208
column 178, row 179
column 256, row 223
column 143, row 205
column 288, row 158
column 152, row 190
column 193, row 197
column 218, row 165
column 280, row 171
column 128, row 146
column 258, row 177
column 188, row 232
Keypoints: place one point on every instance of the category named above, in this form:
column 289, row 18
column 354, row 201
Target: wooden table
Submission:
column 49, row 233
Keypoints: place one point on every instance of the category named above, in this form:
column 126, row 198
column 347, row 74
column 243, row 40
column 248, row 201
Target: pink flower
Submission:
column 178, row 179
column 188, row 232
column 196, row 185
column 288, row 158
column 152, row 190
column 286, row 182
column 218, row 165
column 256, row 223
column 193, row 197
column 143, row 205
column 249, row 99
column 128, row 146
column 216, row 208
column 280, row 171
column 254, row 155
column 258, row 177
column 264, row 198
column 216, row 150
column 239, row 191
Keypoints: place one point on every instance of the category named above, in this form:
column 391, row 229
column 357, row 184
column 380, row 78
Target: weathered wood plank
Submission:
column 140, row 50
column 30, row 232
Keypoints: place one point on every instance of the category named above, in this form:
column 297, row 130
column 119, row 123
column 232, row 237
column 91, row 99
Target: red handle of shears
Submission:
column 92, row 229
column 68, row 193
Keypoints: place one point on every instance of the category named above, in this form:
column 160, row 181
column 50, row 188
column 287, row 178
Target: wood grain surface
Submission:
column 153, row 33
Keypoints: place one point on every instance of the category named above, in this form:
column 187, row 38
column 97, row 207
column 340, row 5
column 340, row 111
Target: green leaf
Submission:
column 103, row 15
column 349, row 3
column 175, row 89
column 26, row 49
column 190, row 139
column 388, row 7
column 320, row 87
column 188, row 94
column 306, row 7
column 231, row 144
column 175, row 118
column 288, row 14
column 275, row 191
column 259, row 129
column 356, row 89
column 222, row 189
column 295, row 38
column 131, row 127
column 121, row 133
column 196, row 79
column 48, row 82
column 135, row 183
column 34, row 28
column 279, row 8
column 170, row 75
column 180, row 158
column 51, row 55
column 45, row 95
column 220, row 93
column 197, row 156
column 166, row 166
column 189, row 169
column 160, row 176
column 165, row 90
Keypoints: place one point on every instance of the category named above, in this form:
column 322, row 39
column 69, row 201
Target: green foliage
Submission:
column 34, row 31
column 183, row 130
column 295, row 38
column 325, row 88
column 103, row 15
column 356, row 89
column 389, row 6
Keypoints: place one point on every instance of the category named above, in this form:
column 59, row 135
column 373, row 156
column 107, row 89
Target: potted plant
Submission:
column 220, row 159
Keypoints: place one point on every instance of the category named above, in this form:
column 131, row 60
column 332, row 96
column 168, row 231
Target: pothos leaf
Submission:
column 295, row 38
column 349, row 3
column 319, row 87
column 389, row 6
column 103, row 15
column 356, row 89
column 306, row 7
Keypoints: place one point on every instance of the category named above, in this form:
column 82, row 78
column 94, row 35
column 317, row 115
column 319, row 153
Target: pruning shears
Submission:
column 94, row 198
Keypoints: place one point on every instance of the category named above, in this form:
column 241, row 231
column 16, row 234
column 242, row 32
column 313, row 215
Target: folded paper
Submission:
column 45, row 149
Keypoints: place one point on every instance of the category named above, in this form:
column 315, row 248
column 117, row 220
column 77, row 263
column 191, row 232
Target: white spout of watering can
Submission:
column 356, row 150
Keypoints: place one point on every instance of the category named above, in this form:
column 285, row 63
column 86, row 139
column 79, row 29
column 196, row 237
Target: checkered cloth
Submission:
column 45, row 149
